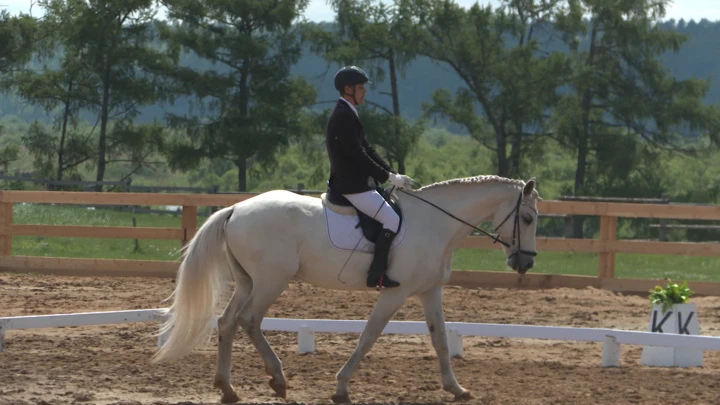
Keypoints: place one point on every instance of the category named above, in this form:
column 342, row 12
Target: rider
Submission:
column 356, row 168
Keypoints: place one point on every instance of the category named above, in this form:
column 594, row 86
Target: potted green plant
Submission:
column 671, row 294
column 672, row 312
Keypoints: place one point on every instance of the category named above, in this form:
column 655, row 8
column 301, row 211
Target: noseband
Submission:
column 496, row 237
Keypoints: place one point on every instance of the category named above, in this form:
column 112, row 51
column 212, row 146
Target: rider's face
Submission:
column 360, row 93
column 359, row 90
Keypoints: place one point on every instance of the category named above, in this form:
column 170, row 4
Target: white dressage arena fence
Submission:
column 306, row 329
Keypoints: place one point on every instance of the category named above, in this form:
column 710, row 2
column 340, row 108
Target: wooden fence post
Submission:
column 189, row 222
column 6, row 215
column 606, row 258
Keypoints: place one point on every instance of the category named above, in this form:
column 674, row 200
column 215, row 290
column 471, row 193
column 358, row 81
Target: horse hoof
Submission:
column 229, row 394
column 341, row 399
column 230, row 398
column 279, row 388
column 465, row 396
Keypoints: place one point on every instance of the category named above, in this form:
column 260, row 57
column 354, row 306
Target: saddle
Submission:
column 370, row 226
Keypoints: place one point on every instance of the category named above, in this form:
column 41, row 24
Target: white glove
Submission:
column 400, row 180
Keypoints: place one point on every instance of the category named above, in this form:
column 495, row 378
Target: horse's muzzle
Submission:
column 526, row 266
column 521, row 261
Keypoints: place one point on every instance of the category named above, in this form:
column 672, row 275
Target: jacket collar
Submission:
column 352, row 107
column 343, row 104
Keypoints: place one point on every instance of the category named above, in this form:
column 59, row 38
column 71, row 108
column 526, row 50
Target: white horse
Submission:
column 269, row 239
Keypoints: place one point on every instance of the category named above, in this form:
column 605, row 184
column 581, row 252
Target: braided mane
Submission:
column 481, row 179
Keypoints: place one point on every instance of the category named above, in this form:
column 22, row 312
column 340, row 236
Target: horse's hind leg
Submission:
column 264, row 294
column 227, row 327
column 388, row 303
column 432, row 303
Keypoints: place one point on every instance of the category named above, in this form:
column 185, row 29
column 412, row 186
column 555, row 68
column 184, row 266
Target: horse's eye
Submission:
column 528, row 219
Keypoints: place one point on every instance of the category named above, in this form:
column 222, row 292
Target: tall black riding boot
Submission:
column 376, row 275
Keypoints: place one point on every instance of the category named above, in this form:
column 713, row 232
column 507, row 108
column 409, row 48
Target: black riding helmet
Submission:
column 350, row 76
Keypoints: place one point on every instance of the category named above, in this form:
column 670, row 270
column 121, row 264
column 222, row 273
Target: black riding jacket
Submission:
column 352, row 160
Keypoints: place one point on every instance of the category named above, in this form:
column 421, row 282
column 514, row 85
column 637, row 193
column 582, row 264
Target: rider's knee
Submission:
column 391, row 221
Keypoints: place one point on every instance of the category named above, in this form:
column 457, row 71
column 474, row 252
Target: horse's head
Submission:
column 516, row 223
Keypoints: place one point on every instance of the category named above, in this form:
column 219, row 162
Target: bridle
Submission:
column 496, row 237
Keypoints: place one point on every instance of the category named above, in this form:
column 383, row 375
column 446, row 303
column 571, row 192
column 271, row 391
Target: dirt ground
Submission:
column 109, row 364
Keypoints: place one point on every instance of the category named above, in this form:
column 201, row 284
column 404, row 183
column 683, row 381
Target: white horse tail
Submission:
column 200, row 279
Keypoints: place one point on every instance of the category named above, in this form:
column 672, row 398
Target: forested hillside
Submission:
column 699, row 57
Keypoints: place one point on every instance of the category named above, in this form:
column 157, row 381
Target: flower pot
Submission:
column 682, row 319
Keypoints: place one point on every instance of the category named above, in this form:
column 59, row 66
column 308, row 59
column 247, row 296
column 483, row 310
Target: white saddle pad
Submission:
column 344, row 235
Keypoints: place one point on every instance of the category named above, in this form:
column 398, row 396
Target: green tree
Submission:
column 623, row 105
column 397, row 136
column 506, row 76
column 376, row 34
column 65, row 91
column 8, row 152
column 250, row 104
column 17, row 40
column 110, row 66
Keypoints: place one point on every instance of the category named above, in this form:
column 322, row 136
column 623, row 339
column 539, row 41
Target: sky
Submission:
column 318, row 10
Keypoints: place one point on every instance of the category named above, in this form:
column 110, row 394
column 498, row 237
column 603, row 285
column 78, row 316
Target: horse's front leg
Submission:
column 432, row 302
column 386, row 306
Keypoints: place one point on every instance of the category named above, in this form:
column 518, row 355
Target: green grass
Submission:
column 691, row 268
column 149, row 249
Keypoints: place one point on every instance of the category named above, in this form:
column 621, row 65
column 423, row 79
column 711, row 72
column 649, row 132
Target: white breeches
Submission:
column 372, row 204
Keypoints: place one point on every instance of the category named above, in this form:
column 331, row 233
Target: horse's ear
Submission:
column 529, row 187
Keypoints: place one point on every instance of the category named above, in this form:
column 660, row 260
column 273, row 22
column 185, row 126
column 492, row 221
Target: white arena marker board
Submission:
column 306, row 328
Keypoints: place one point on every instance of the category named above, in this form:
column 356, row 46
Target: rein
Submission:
column 495, row 238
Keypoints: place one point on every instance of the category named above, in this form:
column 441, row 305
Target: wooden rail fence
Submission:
column 606, row 245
